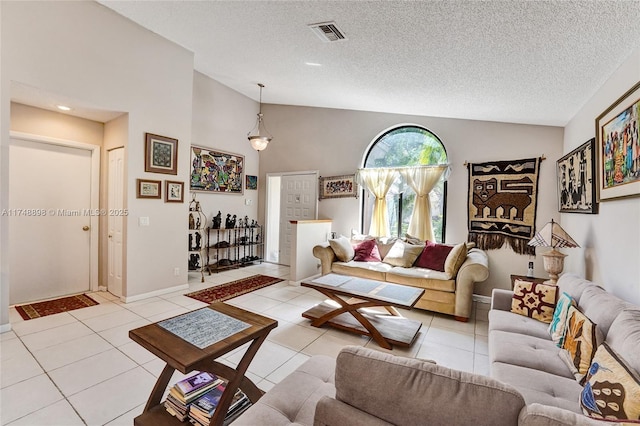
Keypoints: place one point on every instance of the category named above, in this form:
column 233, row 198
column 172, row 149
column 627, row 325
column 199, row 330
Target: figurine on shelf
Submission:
column 197, row 223
column 194, row 262
column 227, row 223
column 217, row 220
column 198, row 241
column 192, row 224
column 254, row 223
column 231, row 222
column 240, row 223
column 190, row 242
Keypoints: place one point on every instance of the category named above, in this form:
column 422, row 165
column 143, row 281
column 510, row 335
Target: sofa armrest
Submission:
column 501, row 299
column 327, row 256
column 331, row 412
column 475, row 269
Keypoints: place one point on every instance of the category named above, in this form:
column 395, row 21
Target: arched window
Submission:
column 407, row 145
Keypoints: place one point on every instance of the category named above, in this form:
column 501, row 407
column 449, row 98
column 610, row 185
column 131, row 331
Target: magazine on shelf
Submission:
column 195, row 382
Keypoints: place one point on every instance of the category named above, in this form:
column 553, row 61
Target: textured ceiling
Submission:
column 532, row 62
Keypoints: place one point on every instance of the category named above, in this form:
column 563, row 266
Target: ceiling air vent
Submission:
column 327, row 31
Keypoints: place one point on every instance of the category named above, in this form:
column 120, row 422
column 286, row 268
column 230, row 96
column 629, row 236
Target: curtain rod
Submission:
column 542, row 158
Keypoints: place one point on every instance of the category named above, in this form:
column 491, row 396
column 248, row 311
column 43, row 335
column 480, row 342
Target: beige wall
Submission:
column 610, row 252
column 334, row 141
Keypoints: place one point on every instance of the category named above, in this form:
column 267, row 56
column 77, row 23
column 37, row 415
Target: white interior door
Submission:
column 298, row 201
column 50, row 220
column 115, row 201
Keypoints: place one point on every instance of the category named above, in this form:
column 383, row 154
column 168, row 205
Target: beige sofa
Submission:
column 446, row 293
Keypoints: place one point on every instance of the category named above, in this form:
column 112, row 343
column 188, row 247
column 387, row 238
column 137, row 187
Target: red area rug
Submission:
column 56, row 306
column 222, row 292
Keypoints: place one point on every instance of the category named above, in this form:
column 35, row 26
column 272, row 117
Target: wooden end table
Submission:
column 186, row 357
column 525, row 278
column 350, row 314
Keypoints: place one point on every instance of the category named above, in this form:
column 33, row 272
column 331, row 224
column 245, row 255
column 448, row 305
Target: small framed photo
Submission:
column 173, row 192
column 618, row 145
column 252, row 182
column 161, row 154
column 337, row 187
column 576, row 176
column 148, row 188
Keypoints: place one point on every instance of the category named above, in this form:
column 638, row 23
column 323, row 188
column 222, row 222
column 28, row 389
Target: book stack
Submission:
column 203, row 408
column 184, row 393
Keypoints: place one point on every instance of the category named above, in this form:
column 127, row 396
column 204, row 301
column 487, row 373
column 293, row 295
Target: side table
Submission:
column 525, row 278
column 186, row 357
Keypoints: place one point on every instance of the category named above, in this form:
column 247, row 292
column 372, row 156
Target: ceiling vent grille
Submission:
column 327, row 31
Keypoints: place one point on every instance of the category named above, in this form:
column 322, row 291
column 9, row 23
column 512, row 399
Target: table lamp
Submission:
column 552, row 235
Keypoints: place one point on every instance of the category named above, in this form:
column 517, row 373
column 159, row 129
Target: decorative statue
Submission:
column 246, row 221
column 194, row 262
column 217, row 220
column 197, row 224
column 227, row 223
column 198, row 241
column 192, row 224
column 190, row 242
column 231, row 222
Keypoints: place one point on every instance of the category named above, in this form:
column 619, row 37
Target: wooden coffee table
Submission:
column 239, row 327
column 351, row 297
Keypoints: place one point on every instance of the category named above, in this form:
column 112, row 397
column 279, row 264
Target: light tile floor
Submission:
column 81, row 368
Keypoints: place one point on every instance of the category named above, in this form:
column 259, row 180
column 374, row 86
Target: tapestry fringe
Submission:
column 496, row 241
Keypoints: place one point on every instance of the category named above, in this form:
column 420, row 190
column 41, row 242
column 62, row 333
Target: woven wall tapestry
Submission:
column 502, row 204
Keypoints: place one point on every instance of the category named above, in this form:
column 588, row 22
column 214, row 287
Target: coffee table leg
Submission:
column 159, row 388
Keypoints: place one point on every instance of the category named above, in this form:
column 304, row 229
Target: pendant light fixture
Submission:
column 259, row 136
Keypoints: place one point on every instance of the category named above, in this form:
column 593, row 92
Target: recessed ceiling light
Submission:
column 63, row 107
column 313, row 64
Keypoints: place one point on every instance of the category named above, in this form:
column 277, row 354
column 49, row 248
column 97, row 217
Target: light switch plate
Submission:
column 143, row 221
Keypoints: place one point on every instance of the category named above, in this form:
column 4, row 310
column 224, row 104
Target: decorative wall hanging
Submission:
column 173, row 192
column 216, row 171
column 146, row 188
column 252, row 182
column 337, row 187
column 160, row 154
column 502, row 204
column 618, row 144
column 576, row 177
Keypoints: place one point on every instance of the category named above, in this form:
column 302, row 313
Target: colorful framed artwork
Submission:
column 216, row 171
column 576, row 176
column 173, row 192
column 160, row 154
column 252, row 182
column 337, row 187
column 618, row 145
column 146, row 188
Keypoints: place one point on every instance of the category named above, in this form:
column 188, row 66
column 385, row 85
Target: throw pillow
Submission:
column 367, row 251
column 559, row 320
column 455, row 259
column 402, row 254
column 534, row 300
column 579, row 344
column 433, row 256
column 384, row 245
column 611, row 389
column 343, row 249
column 413, row 240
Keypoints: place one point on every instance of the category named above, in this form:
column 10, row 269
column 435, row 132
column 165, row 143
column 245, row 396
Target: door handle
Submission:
column 85, row 228
column 110, row 235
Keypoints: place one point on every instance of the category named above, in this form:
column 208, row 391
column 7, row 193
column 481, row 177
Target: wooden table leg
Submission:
column 159, row 388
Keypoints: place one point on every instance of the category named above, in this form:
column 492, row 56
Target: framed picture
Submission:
column 337, row 187
column 216, row 171
column 160, row 154
column 576, row 176
column 148, row 188
column 252, row 182
column 173, row 192
column 618, row 147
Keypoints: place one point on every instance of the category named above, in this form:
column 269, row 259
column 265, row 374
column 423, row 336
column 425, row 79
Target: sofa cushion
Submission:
column 624, row 337
column 433, row 256
column 402, row 254
column 343, row 248
column 546, row 415
column 559, row 320
column 367, row 251
column 527, row 351
column 534, row 300
column 508, row 321
column 612, row 389
column 371, row 270
column 580, row 343
column 573, row 285
column 406, row 391
column 455, row 259
column 601, row 307
column 422, row 278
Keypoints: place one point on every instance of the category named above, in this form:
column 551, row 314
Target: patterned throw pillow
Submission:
column 367, row 251
column 534, row 300
column 343, row 249
column 559, row 320
column 579, row 344
column 611, row 389
column 402, row 254
column 433, row 256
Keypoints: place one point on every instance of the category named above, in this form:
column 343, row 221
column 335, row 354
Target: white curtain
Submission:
column 378, row 181
column 422, row 179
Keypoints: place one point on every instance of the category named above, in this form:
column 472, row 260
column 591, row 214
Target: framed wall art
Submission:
column 252, row 182
column 160, row 154
column 216, row 171
column 337, row 187
column 576, row 176
column 146, row 188
column 173, row 192
column 618, row 147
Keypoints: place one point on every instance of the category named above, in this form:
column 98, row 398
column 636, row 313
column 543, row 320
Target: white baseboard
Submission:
column 129, row 299
column 5, row 327
column 482, row 299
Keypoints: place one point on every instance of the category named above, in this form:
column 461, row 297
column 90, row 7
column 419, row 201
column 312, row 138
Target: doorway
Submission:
column 290, row 196
column 53, row 209
column 115, row 225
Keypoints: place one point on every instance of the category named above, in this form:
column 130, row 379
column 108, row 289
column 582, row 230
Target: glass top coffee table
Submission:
column 352, row 295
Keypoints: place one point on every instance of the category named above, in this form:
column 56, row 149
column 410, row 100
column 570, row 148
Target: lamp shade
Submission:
column 552, row 235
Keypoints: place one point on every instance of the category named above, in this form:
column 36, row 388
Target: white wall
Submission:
column 610, row 249
column 334, row 141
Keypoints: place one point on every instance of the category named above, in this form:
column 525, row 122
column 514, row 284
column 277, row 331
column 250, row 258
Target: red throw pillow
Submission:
column 433, row 256
column 367, row 251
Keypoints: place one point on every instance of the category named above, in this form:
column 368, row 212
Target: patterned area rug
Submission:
column 222, row 292
column 56, row 306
